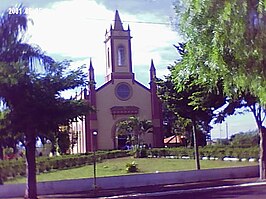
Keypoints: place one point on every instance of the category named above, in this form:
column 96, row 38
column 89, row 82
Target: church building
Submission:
column 120, row 97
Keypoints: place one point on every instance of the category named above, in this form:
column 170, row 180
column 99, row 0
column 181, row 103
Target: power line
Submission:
column 148, row 22
column 140, row 22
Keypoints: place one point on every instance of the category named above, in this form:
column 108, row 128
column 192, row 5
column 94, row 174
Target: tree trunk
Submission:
column 257, row 111
column 15, row 149
column 31, row 185
column 1, row 152
column 262, row 153
column 196, row 146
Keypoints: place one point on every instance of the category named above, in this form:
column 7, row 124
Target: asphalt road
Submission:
column 247, row 188
column 256, row 192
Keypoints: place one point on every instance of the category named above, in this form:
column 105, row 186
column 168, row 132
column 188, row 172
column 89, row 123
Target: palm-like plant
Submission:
column 134, row 128
column 12, row 47
column 16, row 63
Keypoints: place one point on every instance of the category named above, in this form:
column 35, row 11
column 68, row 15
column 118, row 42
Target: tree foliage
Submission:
column 226, row 43
column 225, row 40
column 63, row 141
column 188, row 100
column 12, row 46
column 247, row 139
column 134, row 128
column 8, row 139
column 33, row 99
column 196, row 102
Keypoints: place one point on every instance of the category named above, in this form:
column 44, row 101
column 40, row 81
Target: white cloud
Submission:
column 66, row 29
column 76, row 29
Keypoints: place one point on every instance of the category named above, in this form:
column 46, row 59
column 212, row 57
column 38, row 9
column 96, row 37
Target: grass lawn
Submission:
column 115, row 167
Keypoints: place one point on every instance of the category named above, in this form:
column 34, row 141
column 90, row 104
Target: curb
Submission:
column 130, row 181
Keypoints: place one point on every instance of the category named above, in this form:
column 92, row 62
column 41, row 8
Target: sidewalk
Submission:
column 124, row 193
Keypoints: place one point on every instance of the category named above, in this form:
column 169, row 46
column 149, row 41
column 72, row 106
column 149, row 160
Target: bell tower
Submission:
column 118, row 51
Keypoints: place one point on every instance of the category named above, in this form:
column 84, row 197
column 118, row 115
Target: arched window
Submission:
column 121, row 56
column 108, row 58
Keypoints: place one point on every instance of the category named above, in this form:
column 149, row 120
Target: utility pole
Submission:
column 220, row 131
column 226, row 124
column 94, row 159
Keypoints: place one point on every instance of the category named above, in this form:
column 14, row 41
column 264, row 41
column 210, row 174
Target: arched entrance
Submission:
column 121, row 142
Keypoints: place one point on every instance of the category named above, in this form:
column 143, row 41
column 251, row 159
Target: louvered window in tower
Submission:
column 121, row 56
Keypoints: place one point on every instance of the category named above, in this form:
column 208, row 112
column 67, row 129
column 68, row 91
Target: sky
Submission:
column 75, row 29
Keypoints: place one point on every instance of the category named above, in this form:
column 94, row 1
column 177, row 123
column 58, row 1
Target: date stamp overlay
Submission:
column 24, row 11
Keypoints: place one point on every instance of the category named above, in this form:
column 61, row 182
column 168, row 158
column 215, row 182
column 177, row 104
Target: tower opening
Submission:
column 121, row 56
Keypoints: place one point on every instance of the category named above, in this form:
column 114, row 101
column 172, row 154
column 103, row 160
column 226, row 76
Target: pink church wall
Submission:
column 106, row 99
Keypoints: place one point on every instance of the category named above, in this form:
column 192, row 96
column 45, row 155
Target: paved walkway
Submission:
column 149, row 191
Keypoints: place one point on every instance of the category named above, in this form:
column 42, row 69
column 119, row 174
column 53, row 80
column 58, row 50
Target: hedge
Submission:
column 14, row 168
column 208, row 151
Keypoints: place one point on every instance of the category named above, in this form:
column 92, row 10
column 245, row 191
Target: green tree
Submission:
column 41, row 108
column 8, row 138
column 226, row 41
column 247, row 139
column 195, row 102
column 175, row 112
column 34, row 99
column 63, row 139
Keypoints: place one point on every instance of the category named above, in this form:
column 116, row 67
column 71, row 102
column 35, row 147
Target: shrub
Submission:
column 154, row 152
column 132, row 167
column 140, row 153
column 40, row 167
column 207, row 151
column 14, row 168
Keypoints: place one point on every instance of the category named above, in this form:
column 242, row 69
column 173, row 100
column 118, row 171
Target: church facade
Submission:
column 120, row 97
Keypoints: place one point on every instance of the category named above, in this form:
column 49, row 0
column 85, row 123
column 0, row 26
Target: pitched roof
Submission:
column 174, row 139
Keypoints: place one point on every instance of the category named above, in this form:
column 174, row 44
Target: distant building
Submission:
column 175, row 141
column 120, row 97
